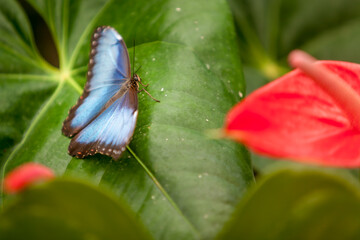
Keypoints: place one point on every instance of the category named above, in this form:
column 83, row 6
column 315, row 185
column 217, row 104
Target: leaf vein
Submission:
column 82, row 38
column 30, row 129
column 160, row 187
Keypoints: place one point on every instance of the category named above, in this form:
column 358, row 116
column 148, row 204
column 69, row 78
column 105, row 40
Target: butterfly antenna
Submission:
column 133, row 66
column 138, row 69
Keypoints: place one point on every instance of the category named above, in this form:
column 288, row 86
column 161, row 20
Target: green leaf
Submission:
column 27, row 91
column 277, row 27
column 181, row 184
column 298, row 204
column 69, row 209
column 270, row 29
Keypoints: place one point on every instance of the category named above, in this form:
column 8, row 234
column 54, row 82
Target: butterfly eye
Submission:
column 137, row 78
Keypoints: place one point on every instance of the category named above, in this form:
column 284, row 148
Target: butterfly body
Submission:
column 104, row 118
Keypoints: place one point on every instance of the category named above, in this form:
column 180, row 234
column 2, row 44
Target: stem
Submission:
column 343, row 94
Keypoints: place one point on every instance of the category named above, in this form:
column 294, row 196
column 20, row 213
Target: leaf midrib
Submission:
column 161, row 188
column 84, row 34
column 32, row 77
column 26, row 59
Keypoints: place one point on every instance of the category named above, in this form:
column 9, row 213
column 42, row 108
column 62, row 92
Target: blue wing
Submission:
column 111, row 131
column 109, row 69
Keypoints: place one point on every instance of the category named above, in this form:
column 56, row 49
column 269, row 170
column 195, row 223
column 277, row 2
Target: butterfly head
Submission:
column 135, row 81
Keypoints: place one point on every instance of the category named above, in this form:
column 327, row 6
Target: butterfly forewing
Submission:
column 108, row 70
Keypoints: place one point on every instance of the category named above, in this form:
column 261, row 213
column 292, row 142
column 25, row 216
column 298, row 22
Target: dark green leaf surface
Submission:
column 298, row 204
column 181, row 184
column 270, row 29
column 68, row 209
column 277, row 27
column 20, row 95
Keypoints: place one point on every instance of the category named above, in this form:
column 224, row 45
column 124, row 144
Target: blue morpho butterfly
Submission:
column 104, row 118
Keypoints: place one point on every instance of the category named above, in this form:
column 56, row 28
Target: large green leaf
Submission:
column 181, row 184
column 298, row 204
column 57, row 210
column 270, row 29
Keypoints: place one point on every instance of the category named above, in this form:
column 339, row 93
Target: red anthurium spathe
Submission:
column 311, row 114
column 25, row 175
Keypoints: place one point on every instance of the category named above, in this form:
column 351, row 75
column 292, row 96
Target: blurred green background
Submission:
column 177, row 183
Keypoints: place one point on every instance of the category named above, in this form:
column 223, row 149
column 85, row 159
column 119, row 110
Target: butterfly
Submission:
column 104, row 118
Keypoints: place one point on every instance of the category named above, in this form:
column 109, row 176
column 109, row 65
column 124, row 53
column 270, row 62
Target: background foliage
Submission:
column 174, row 182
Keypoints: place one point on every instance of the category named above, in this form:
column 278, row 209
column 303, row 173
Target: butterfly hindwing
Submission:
column 110, row 132
column 109, row 69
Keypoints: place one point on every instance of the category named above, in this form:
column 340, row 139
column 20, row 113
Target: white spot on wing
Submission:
column 118, row 37
column 135, row 114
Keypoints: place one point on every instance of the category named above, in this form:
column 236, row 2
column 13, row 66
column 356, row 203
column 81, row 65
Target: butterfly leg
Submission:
column 144, row 85
column 148, row 94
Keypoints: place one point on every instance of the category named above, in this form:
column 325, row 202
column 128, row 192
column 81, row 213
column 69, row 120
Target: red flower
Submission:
column 26, row 175
column 309, row 115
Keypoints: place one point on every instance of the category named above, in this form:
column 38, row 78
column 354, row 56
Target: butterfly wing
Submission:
column 110, row 132
column 109, row 69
